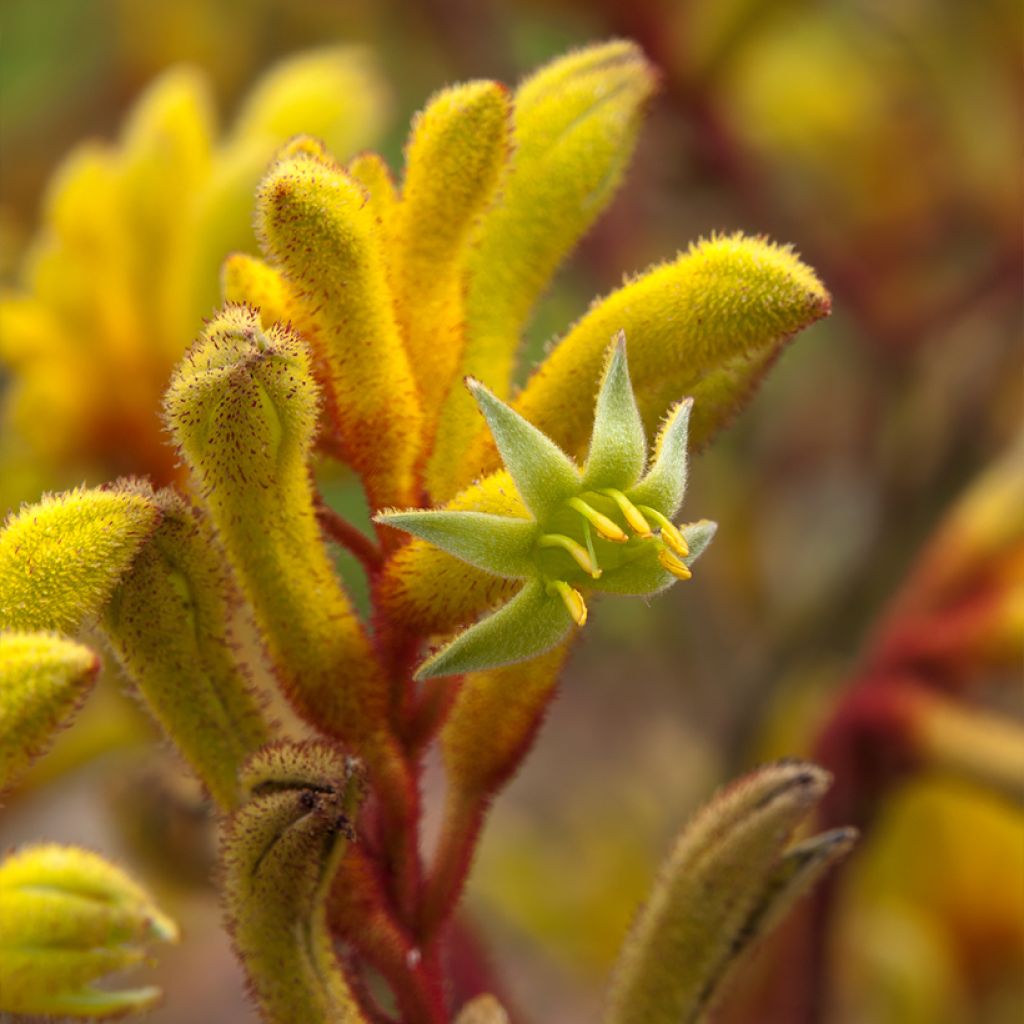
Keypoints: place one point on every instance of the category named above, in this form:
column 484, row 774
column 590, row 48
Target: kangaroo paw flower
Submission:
column 605, row 527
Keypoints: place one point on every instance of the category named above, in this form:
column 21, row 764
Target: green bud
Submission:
column 605, row 528
column 43, row 680
column 280, row 853
column 60, row 558
column 68, row 918
column 170, row 622
column 243, row 406
column 731, row 876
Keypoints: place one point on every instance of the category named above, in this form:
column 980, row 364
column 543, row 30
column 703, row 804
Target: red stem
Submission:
column 463, row 821
column 342, row 532
column 359, row 913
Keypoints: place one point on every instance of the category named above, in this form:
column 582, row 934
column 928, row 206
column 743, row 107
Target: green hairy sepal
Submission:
column 280, row 852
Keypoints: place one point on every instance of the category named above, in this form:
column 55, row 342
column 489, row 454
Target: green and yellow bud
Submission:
column 575, row 126
column 731, row 876
column 61, row 558
column 170, row 622
column 280, row 853
column 579, row 531
column 43, row 681
column 248, row 281
column 457, row 150
column 315, row 223
column 68, row 918
column 707, row 325
column 243, row 408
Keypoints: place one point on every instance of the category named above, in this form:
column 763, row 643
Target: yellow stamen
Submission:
column 631, row 513
column 577, row 550
column 572, row 598
column 605, row 527
column 673, row 565
column 670, row 533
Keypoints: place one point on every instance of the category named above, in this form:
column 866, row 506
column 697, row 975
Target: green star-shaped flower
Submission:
column 605, row 528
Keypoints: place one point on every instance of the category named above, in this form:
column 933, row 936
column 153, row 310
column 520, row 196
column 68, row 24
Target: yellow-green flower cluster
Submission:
column 607, row 527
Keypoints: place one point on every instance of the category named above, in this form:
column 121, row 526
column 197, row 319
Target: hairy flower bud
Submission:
column 68, row 918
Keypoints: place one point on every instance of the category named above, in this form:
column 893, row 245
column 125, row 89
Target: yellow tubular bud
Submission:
column 83, row 214
column 691, row 325
column 280, row 853
column 729, row 875
column 373, row 174
column 170, row 623
column 243, row 407
column 579, row 553
column 606, row 528
column 43, row 680
column 575, row 126
column 708, row 325
column 247, row 280
column 68, row 919
column 165, row 157
column 60, row 559
column 315, row 222
column 458, row 148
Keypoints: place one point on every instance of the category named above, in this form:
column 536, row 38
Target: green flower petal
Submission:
column 497, row 544
column 698, row 536
column 543, row 474
column 665, row 483
column 530, row 624
column 640, row 577
column 618, row 447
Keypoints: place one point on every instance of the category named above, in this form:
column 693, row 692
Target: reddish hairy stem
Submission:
column 463, row 821
column 342, row 532
column 359, row 914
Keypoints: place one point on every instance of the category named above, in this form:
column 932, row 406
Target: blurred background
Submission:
column 884, row 141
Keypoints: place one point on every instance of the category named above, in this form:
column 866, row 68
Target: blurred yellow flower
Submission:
column 126, row 262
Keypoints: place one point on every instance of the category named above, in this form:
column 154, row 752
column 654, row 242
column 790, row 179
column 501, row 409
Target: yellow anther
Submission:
column 670, row 533
column 674, row 565
column 572, row 599
column 630, row 512
column 577, row 550
column 606, row 528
